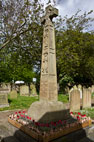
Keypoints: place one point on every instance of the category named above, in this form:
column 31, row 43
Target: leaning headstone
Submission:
column 86, row 100
column 24, row 90
column 13, row 94
column 33, row 90
column 74, row 100
column 3, row 98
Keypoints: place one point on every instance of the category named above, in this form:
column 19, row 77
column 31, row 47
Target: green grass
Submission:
column 63, row 98
column 23, row 102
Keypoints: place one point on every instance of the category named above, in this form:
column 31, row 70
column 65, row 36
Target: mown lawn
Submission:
column 23, row 102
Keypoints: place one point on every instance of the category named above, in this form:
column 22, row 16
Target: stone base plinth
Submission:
column 44, row 111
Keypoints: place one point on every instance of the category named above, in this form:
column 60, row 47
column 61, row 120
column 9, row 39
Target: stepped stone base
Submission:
column 44, row 111
column 82, row 135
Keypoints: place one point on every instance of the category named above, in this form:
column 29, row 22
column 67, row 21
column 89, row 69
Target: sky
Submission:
column 70, row 7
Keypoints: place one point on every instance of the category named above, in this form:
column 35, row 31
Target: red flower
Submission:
column 19, row 112
column 79, row 113
column 23, row 112
column 78, row 117
column 52, row 123
column 37, row 124
column 59, row 122
column 71, row 112
column 47, row 125
column 21, row 115
column 83, row 115
column 30, row 118
column 33, row 121
column 18, row 117
column 27, row 117
column 16, row 112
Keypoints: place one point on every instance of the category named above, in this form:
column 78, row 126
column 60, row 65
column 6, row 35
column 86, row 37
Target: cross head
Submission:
column 51, row 12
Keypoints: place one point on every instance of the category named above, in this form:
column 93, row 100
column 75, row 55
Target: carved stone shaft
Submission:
column 48, row 81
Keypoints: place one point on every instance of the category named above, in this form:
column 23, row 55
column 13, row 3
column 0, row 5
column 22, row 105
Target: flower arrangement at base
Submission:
column 76, row 118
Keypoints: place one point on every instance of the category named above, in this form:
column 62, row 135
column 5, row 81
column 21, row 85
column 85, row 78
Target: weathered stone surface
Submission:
column 48, row 108
column 48, row 81
column 80, row 89
column 3, row 99
column 47, row 111
column 92, row 88
column 13, row 94
column 24, row 90
column 86, row 101
column 74, row 100
column 5, row 86
column 33, row 90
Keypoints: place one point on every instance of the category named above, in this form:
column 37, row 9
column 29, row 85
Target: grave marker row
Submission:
column 75, row 99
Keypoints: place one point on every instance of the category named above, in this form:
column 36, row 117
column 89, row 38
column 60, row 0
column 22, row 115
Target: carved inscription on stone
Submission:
column 45, row 53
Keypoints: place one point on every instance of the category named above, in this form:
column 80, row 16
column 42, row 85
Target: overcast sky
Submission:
column 70, row 7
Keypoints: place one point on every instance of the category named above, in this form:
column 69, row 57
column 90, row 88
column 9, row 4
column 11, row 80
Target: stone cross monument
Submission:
column 48, row 81
column 48, row 108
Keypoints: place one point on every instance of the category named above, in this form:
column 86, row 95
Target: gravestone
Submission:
column 4, row 98
column 73, row 88
column 6, row 86
column 48, row 108
column 33, row 90
column 92, row 88
column 24, row 90
column 86, row 100
column 80, row 89
column 74, row 100
column 13, row 94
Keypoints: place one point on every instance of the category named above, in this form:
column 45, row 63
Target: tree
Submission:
column 21, row 37
column 75, row 51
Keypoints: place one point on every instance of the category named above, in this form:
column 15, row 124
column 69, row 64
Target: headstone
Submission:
column 86, row 100
column 33, row 90
column 67, row 90
column 80, row 89
column 24, row 90
column 13, row 94
column 70, row 92
column 3, row 98
column 48, row 108
column 73, row 88
column 5, row 86
column 74, row 100
column 92, row 88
